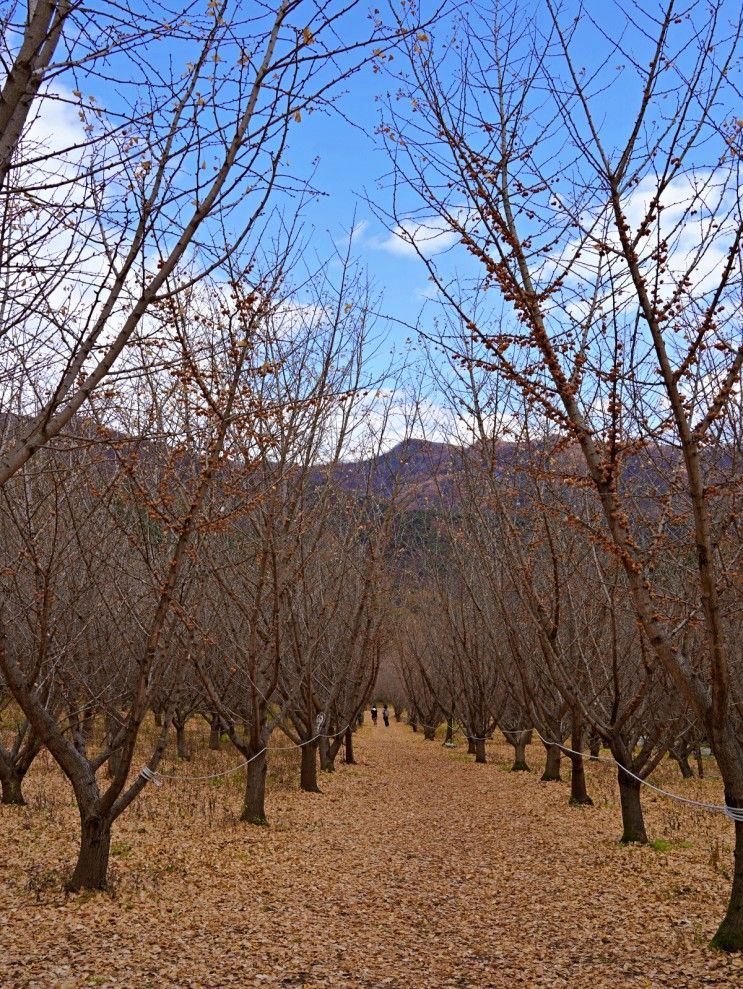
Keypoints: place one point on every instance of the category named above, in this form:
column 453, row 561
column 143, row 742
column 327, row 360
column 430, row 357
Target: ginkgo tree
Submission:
column 141, row 147
column 589, row 172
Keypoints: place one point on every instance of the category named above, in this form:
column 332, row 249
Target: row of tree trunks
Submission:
column 578, row 790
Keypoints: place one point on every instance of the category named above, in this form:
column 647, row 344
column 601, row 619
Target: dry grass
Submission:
column 415, row 868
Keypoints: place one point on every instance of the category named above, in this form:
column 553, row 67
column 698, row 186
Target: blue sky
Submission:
column 350, row 163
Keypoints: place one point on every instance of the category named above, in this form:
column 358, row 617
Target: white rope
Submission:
column 152, row 775
column 734, row 813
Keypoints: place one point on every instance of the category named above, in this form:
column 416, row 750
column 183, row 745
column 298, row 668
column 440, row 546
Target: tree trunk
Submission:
column 595, row 748
column 699, row 761
column 682, row 759
column 12, row 788
column 520, row 764
column 254, row 809
column 91, row 869
column 729, row 936
column 449, row 730
column 551, row 772
column 632, row 819
column 112, row 766
column 76, row 729
column 180, row 741
column 413, row 723
column 215, row 734
column 480, row 750
column 114, row 760
column 398, row 714
column 89, row 723
column 471, row 750
column 327, row 763
column 308, row 772
column 578, row 792
column 348, row 739
column 519, row 740
column 360, row 719
column 429, row 733
column 727, row 750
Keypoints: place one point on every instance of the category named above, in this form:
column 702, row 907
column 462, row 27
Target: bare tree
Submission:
column 616, row 246
column 140, row 149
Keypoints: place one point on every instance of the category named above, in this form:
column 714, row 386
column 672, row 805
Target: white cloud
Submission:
column 411, row 237
column 358, row 231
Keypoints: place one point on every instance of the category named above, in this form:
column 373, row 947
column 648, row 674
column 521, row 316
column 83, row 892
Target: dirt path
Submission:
column 415, row 868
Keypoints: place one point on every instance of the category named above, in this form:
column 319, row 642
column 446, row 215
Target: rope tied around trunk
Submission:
column 153, row 776
column 735, row 814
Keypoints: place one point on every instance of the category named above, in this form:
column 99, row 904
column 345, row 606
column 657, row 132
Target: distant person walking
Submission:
column 374, row 713
column 386, row 716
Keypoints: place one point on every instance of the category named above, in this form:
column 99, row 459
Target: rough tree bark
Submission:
column 552, row 767
column 11, row 782
column 578, row 792
column 682, row 759
column 519, row 740
column 180, row 741
column 633, row 821
column 15, row 762
column 480, row 750
column 728, row 933
column 308, row 770
column 348, row 739
column 254, row 803
column 91, row 868
column 327, row 756
column 215, row 733
column 449, row 730
column 699, row 762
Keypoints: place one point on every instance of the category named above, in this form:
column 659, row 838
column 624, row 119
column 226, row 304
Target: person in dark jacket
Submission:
column 374, row 713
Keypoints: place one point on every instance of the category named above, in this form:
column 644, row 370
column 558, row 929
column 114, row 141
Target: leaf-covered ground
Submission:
column 415, row 868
